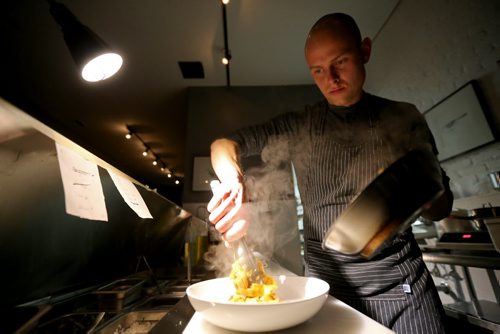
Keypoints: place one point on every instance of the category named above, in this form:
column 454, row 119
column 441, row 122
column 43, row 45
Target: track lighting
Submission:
column 227, row 53
column 227, row 57
column 132, row 131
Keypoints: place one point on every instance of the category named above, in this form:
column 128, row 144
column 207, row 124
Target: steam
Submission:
column 271, row 210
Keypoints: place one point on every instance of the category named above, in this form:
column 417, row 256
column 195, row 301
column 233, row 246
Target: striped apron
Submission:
column 394, row 288
column 336, row 153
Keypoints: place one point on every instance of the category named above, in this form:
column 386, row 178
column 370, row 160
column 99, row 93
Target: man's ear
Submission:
column 366, row 49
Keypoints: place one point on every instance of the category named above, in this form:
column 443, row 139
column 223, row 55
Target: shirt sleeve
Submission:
column 421, row 133
column 253, row 139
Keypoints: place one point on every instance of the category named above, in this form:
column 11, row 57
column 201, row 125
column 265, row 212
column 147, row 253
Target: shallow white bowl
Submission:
column 300, row 299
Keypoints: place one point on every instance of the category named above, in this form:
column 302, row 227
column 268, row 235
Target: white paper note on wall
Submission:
column 131, row 195
column 83, row 193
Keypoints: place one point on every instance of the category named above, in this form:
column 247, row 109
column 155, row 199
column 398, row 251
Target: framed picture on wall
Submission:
column 203, row 173
column 458, row 123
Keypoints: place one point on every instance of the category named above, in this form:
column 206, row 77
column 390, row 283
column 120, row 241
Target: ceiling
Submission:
column 266, row 39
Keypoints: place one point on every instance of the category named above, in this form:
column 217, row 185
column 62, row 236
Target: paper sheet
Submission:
column 83, row 192
column 131, row 195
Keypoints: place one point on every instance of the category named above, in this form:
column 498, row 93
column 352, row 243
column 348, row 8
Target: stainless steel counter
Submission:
column 334, row 317
column 482, row 313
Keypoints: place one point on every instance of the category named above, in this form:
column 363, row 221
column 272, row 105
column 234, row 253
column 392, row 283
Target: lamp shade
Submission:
column 94, row 58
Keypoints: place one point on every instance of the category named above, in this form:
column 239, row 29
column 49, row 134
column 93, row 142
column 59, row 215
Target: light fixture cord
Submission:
column 227, row 53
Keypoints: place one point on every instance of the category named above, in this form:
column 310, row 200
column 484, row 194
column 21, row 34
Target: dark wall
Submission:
column 46, row 252
column 215, row 111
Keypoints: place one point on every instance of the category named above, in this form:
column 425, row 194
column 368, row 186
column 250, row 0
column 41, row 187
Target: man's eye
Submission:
column 341, row 61
column 317, row 71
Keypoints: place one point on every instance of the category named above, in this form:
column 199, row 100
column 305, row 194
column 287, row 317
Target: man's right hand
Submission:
column 226, row 212
column 226, row 205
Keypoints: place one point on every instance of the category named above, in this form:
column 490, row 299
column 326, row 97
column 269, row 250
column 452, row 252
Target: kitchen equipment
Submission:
column 133, row 322
column 77, row 322
column 300, row 299
column 242, row 252
column 495, row 180
column 473, row 229
column 245, row 256
column 388, row 205
column 118, row 294
column 493, row 226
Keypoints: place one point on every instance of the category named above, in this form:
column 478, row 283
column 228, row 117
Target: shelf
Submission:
column 490, row 314
column 479, row 261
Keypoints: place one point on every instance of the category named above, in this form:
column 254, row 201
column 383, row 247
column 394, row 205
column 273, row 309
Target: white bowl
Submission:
column 300, row 299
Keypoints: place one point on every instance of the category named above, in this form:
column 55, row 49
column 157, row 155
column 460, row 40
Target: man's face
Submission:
column 337, row 66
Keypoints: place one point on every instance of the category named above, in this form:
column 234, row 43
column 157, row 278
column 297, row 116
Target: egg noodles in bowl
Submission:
column 218, row 301
column 252, row 292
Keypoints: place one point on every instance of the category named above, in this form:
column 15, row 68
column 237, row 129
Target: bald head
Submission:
column 338, row 24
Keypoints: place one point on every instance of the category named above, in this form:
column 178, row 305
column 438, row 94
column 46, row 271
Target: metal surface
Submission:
column 493, row 226
column 120, row 293
column 247, row 259
column 465, row 311
column 388, row 205
column 494, row 283
column 176, row 320
column 135, row 322
column 78, row 322
column 464, row 225
column 472, row 293
column 463, row 260
column 464, row 246
column 84, row 314
column 481, row 313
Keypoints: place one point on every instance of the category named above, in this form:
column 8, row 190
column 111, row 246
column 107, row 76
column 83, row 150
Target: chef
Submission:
column 337, row 146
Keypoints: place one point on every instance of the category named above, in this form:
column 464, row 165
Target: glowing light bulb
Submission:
column 155, row 163
column 177, row 182
column 225, row 61
column 169, row 175
column 102, row 67
column 128, row 135
column 225, row 2
column 145, row 153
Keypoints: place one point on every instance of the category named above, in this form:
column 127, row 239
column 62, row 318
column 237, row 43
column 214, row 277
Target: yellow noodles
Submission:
column 254, row 293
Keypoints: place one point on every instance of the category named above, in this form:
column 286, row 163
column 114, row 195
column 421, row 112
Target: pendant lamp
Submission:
column 94, row 58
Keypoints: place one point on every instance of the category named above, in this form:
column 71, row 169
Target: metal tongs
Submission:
column 242, row 253
column 247, row 260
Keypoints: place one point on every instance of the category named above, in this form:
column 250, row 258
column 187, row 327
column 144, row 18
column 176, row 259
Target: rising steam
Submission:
column 271, row 209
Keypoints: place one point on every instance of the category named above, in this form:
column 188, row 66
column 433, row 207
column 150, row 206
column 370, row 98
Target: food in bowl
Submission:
column 252, row 292
column 300, row 299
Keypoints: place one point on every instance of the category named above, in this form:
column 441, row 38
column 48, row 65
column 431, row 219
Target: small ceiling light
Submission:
column 145, row 153
column 162, row 169
column 225, row 2
column 177, row 182
column 93, row 56
column 128, row 135
column 155, row 162
column 169, row 175
column 225, row 60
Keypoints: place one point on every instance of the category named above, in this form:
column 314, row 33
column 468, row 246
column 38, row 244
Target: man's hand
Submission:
column 226, row 205
column 226, row 212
